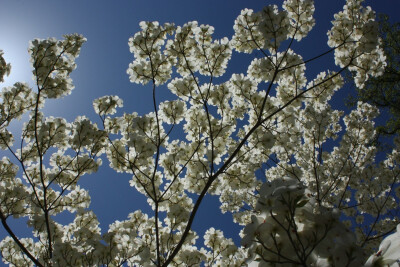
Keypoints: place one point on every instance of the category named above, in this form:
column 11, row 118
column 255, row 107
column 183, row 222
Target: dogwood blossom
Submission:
column 53, row 61
column 5, row 67
column 107, row 105
column 389, row 251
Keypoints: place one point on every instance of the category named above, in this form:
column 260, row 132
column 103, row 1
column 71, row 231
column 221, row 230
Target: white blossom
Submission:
column 388, row 253
column 5, row 67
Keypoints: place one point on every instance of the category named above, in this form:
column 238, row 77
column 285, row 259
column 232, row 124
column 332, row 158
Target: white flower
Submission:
column 107, row 104
column 388, row 253
column 5, row 67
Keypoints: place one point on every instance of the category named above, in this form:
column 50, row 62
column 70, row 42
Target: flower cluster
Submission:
column 354, row 35
column 223, row 250
column 5, row 67
column 16, row 100
column 261, row 30
column 197, row 52
column 107, row 105
column 389, row 253
column 266, row 29
column 150, row 63
column 292, row 228
column 300, row 14
column 53, row 61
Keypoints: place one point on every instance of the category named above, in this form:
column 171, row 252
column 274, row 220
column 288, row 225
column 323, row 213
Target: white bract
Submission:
column 300, row 177
column 5, row 67
column 389, row 251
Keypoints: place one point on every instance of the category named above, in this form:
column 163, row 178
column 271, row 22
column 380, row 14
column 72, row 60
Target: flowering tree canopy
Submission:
column 324, row 199
column 383, row 91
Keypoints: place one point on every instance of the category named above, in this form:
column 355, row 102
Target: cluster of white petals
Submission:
column 196, row 51
column 389, row 252
column 300, row 14
column 16, row 100
column 291, row 228
column 354, row 35
column 107, row 105
column 5, row 67
column 261, row 30
column 172, row 112
column 223, row 252
column 53, row 60
column 151, row 63
column 266, row 29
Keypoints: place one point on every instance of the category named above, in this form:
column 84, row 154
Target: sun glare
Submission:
column 15, row 49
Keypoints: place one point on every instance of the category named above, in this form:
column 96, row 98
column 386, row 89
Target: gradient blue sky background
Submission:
column 105, row 57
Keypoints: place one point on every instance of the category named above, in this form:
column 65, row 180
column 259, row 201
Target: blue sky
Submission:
column 105, row 57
